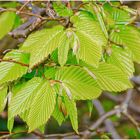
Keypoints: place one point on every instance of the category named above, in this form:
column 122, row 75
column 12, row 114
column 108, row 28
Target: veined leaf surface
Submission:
column 10, row 71
column 78, row 83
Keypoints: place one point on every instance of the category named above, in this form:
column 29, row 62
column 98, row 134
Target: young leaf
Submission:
column 87, row 24
column 10, row 124
column 110, row 77
column 78, row 83
column 128, row 36
column 42, row 42
column 72, row 112
column 63, row 50
column 10, row 71
column 3, row 95
column 57, row 114
column 101, row 21
column 90, row 36
column 119, row 16
column 62, row 10
column 90, row 106
column 6, row 23
column 89, row 51
column 42, row 106
column 24, row 97
column 122, row 58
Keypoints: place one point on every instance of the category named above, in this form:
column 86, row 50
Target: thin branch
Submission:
column 134, row 122
column 13, row 61
column 132, row 106
column 108, row 123
column 22, row 12
column 136, row 79
column 103, row 117
column 128, row 97
column 26, row 3
column 117, row 110
column 40, row 135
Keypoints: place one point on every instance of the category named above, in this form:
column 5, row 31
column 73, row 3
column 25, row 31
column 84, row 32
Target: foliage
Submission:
column 58, row 65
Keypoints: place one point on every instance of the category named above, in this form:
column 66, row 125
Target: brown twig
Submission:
column 23, row 6
column 134, row 122
column 13, row 61
column 22, row 12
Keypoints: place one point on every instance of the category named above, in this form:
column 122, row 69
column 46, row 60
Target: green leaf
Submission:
column 43, row 42
column 10, row 124
column 24, row 115
column 90, row 106
column 3, row 95
column 42, row 106
column 78, row 83
column 86, row 23
column 119, row 16
column 62, row 10
column 122, row 58
column 90, row 38
column 50, row 72
column 97, row 10
column 57, row 114
column 89, row 51
column 72, row 112
column 63, row 50
column 42, row 128
column 10, row 71
column 6, row 23
column 110, row 77
column 128, row 36
column 24, row 97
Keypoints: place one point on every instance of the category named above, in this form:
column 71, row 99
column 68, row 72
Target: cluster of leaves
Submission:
column 57, row 66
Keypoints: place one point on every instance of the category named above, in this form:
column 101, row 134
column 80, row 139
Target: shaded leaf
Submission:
column 57, row 114
column 72, row 112
column 6, row 23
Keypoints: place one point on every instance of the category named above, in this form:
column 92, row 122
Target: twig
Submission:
column 8, row 134
column 136, row 79
column 115, row 43
column 13, row 61
column 103, row 117
column 26, row 3
column 128, row 97
column 119, row 99
column 134, row 122
column 118, row 109
column 22, row 12
column 39, row 134
column 108, row 123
